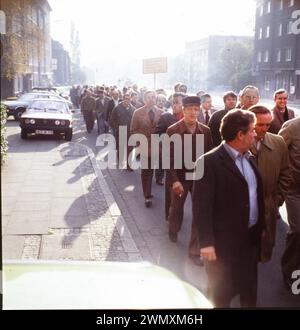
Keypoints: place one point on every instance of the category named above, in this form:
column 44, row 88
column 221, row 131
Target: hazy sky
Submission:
column 140, row 28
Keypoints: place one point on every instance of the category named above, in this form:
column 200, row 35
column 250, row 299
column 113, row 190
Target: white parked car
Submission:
column 41, row 284
column 47, row 117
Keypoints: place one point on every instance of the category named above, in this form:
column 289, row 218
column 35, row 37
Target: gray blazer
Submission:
column 201, row 117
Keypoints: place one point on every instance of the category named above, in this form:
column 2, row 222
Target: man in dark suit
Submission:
column 179, row 182
column 121, row 116
column 228, row 210
column 206, row 109
column 112, row 103
column 101, row 112
column 87, row 108
column 229, row 99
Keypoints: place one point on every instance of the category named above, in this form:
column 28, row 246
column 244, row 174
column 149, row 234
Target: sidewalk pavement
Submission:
column 56, row 205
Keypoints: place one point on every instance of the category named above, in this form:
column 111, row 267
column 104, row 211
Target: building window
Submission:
column 266, row 56
column 2, row 22
column 267, row 84
column 268, row 7
column 291, row 3
column 279, row 30
column 41, row 21
column 288, row 54
column 278, row 55
column 34, row 15
column 261, row 10
column 278, row 82
column 267, row 35
column 259, row 57
column 260, row 33
column 289, row 27
column 281, row 5
column 16, row 26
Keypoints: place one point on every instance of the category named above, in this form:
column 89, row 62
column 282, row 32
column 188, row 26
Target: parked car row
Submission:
column 17, row 107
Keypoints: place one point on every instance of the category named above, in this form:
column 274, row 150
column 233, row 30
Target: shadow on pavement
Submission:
column 271, row 290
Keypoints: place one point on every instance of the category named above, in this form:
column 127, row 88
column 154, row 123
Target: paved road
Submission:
column 149, row 231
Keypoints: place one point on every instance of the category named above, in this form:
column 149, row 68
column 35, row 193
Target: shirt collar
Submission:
column 267, row 141
column 186, row 130
column 234, row 154
column 204, row 111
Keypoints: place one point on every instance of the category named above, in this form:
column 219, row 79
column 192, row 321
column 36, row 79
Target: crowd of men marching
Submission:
column 251, row 167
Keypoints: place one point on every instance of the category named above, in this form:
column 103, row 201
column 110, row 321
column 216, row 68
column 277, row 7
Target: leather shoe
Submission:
column 159, row 182
column 197, row 260
column 173, row 237
column 148, row 202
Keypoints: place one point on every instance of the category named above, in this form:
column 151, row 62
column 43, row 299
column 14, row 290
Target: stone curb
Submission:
column 123, row 231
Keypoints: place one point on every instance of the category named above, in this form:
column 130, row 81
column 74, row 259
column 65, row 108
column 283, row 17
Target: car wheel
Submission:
column 68, row 135
column 18, row 114
column 23, row 134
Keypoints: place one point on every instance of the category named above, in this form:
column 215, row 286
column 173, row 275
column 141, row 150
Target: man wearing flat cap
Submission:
column 180, row 182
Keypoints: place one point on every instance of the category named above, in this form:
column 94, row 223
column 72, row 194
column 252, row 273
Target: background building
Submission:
column 61, row 64
column 26, row 59
column 204, row 60
column 276, row 62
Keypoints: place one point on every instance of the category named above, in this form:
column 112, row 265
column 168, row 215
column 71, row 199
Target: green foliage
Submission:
column 23, row 38
column 4, row 145
column 235, row 65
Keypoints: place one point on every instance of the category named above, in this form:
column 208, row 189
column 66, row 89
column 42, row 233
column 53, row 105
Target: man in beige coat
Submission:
column 144, row 121
column 290, row 261
column 272, row 158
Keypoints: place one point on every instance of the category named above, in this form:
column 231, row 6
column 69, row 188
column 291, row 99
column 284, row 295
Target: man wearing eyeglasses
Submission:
column 249, row 96
column 280, row 112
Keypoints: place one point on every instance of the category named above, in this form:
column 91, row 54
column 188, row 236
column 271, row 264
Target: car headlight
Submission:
column 32, row 121
column 63, row 122
column 27, row 121
column 57, row 122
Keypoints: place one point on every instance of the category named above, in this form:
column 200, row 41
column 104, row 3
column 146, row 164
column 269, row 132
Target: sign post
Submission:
column 155, row 65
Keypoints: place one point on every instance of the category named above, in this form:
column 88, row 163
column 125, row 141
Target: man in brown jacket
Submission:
column 280, row 112
column 272, row 159
column 144, row 121
column 179, row 183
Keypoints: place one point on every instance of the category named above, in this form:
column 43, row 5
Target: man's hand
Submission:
column 208, row 253
column 178, row 188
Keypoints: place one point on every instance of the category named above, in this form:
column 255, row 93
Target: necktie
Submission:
column 151, row 116
column 206, row 117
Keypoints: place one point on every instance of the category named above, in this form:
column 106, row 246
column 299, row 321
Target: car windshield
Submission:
column 49, row 106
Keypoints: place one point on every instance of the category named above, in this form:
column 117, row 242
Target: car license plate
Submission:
column 44, row 132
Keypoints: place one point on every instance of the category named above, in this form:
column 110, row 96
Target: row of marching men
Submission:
column 246, row 178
